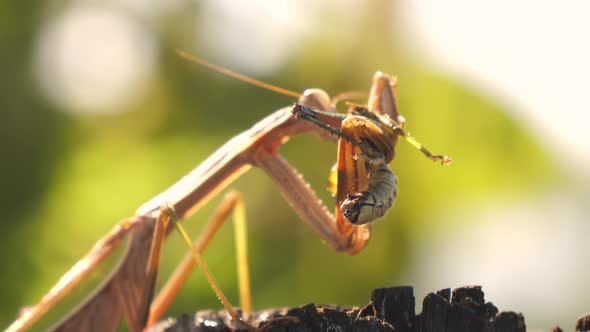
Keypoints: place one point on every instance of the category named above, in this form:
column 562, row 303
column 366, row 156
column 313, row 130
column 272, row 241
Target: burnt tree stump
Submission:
column 390, row 310
column 583, row 324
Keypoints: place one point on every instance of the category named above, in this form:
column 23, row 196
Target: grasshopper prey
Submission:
column 365, row 189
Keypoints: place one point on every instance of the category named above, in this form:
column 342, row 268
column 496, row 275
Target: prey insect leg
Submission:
column 444, row 160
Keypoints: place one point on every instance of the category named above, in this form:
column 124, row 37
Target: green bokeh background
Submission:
column 67, row 178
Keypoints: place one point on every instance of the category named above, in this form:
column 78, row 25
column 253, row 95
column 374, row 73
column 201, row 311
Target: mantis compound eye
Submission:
column 316, row 99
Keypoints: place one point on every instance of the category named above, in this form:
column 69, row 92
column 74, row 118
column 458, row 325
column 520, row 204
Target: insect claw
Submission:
column 444, row 160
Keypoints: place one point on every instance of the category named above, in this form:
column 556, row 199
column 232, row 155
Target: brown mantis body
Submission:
column 366, row 188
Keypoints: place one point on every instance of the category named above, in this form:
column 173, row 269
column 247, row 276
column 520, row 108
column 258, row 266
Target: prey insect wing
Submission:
column 351, row 172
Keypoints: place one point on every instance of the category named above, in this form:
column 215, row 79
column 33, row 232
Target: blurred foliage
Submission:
column 68, row 179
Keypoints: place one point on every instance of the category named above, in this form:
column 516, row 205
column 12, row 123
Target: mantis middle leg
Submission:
column 232, row 202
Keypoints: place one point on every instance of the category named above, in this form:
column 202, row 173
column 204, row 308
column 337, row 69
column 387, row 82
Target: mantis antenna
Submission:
column 237, row 76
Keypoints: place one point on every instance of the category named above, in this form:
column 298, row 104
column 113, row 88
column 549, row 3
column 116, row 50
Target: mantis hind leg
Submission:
column 232, row 203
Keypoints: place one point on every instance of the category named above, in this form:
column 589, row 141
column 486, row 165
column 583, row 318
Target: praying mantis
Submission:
column 364, row 187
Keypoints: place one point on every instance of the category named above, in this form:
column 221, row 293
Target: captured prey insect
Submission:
column 365, row 148
column 365, row 189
